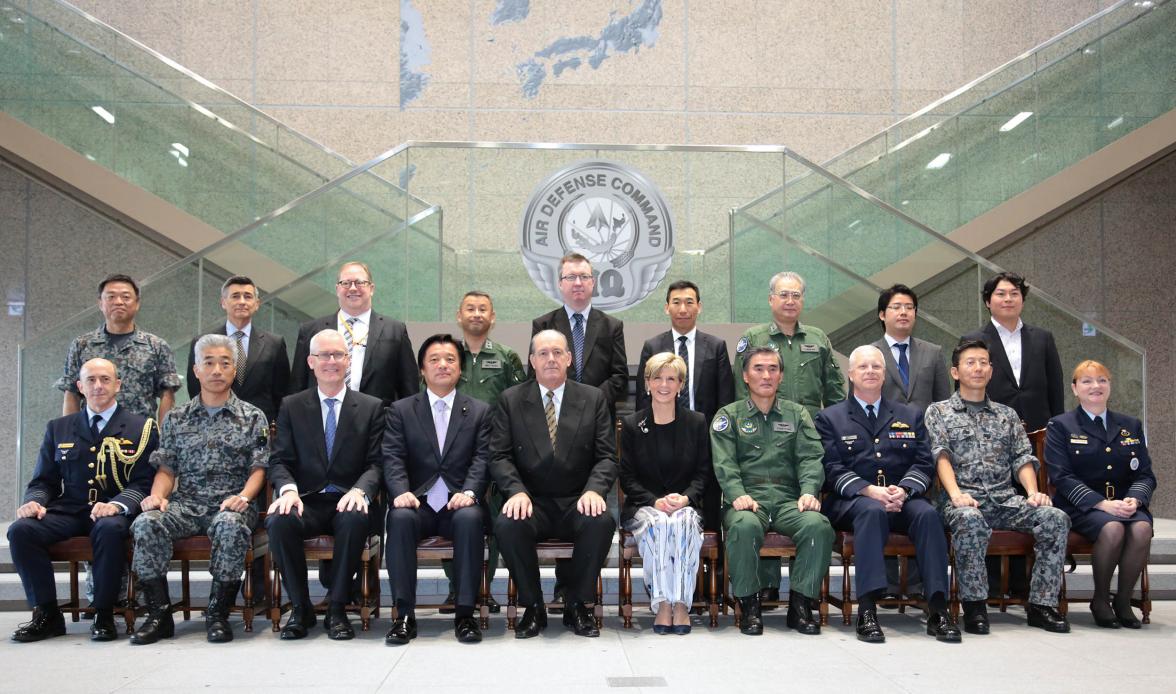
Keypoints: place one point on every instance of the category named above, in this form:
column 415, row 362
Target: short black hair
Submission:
column 964, row 345
column 679, row 286
column 439, row 339
column 118, row 278
column 887, row 296
column 476, row 293
column 1010, row 277
column 762, row 349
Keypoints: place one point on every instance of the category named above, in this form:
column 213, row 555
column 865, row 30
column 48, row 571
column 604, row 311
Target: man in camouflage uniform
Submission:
column 811, row 376
column 145, row 362
column 217, row 446
column 487, row 369
column 767, row 458
column 979, row 445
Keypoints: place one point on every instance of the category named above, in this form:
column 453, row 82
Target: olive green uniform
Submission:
column 774, row 458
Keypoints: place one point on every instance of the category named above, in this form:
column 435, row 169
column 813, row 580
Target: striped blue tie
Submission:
column 578, row 345
column 331, row 424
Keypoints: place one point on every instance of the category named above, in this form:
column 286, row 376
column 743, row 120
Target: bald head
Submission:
column 98, row 383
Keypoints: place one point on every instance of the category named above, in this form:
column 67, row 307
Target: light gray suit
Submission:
column 930, row 381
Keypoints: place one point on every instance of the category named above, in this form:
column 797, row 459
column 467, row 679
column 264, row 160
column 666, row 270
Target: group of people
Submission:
column 462, row 442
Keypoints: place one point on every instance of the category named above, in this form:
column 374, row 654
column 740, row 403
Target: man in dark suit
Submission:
column 381, row 354
column 1026, row 369
column 709, row 383
column 263, row 377
column 596, row 339
column 436, row 451
column 878, row 469
column 916, row 372
column 83, row 486
column 553, row 455
column 325, row 473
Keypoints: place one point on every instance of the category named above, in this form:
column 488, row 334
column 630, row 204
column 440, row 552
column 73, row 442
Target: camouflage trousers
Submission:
column 972, row 527
column 231, row 534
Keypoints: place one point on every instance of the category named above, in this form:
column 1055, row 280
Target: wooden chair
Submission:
column 76, row 550
column 322, row 547
column 781, row 546
column 897, row 545
column 435, row 549
column 199, row 548
column 551, row 550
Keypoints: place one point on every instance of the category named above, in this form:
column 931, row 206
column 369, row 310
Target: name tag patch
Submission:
column 1074, row 440
column 65, row 445
column 784, row 427
column 492, row 364
column 850, row 438
column 809, row 348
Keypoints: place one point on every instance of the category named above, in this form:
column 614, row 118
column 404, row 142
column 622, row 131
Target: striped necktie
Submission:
column 578, row 345
column 239, row 336
column 549, row 412
column 350, row 341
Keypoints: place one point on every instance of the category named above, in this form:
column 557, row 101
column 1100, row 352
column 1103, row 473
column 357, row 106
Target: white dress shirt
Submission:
column 248, row 330
column 1012, row 346
column 556, row 399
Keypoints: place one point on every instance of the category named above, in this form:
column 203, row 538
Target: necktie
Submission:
column 578, row 345
column 873, row 418
column 439, row 493
column 904, row 366
column 549, row 412
column 95, row 431
column 684, row 396
column 331, row 425
column 239, row 336
column 349, row 339
column 1098, row 422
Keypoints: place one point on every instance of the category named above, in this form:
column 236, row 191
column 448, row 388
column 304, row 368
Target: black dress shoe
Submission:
column 751, row 621
column 1046, row 617
column 492, row 605
column 450, row 602
column 1103, row 615
column 300, row 622
column 534, row 621
column 403, row 630
column 976, row 617
column 1126, row 617
column 45, row 624
column 580, row 620
column 943, row 628
column 800, row 615
column 103, row 628
column 466, row 629
column 338, row 627
column 868, row 629
column 769, row 595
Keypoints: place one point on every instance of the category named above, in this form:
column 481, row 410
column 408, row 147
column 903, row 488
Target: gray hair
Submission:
column 214, row 341
column 786, row 275
column 328, row 332
column 549, row 334
column 860, row 353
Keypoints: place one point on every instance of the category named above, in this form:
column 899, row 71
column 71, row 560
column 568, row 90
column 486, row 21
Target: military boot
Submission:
column 800, row 614
column 216, row 617
column 159, row 622
column 752, row 622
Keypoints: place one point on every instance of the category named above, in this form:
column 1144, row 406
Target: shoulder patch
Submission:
column 721, row 423
column 741, row 347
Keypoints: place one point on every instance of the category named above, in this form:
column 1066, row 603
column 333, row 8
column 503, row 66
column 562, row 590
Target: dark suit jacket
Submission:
column 62, row 479
column 1040, row 394
column 1082, row 459
column 852, row 458
column 267, row 371
column 300, row 455
column 930, row 380
column 521, row 456
column 389, row 367
column 645, row 477
column 412, row 461
column 605, row 363
column 712, row 380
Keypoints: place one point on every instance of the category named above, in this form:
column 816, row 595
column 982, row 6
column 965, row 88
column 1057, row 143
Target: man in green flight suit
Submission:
column 811, row 376
column 767, row 458
column 487, row 369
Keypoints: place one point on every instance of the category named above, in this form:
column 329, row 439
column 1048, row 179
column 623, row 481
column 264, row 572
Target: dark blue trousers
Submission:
column 871, row 527
column 29, row 541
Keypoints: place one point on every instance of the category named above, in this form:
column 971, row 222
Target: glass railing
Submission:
column 1007, row 131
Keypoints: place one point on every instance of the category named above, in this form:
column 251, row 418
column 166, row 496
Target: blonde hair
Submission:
column 1089, row 365
column 664, row 360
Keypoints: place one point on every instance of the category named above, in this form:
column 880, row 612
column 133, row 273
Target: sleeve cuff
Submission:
column 849, row 485
column 916, row 481
column 288, row 488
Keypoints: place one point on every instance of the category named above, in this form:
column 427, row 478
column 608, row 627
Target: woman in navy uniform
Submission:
column 1098, row 462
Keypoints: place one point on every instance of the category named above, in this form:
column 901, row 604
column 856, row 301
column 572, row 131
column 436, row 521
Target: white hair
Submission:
column 861, row 352
column 214, row 341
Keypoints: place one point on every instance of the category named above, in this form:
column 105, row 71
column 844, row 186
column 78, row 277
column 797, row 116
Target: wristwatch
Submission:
column 470, row 494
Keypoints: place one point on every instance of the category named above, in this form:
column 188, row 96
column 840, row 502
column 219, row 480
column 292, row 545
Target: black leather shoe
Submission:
column 534, row 621
column 1047, row 618
column 800, row 615
column 466, row 630
column 159, row 623
column 1103, row 615
column 45, row 624
column 943, row 628
column 450, row 602
column 403, row 630
column 338, row 626
column 580, row 620
column 751, row 621
column 768, row 595
column 492, row 605
column 216, row 616
column 103, row 628
column 300, row 622
column 1126, row 617
column 976, row 617
column 868, row 629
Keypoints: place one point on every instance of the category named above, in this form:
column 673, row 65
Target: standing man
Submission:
column 217, row 447
column 877, row 469
column 326, row 471
column 89, row 481
column 381, row 354
column 978, row 446
column 811, row 376
column 916, row 372
column 767, row 456
column 553, row 455
column 436, row 452
column 264, row 374
column 1026, row 369
column 145, row 362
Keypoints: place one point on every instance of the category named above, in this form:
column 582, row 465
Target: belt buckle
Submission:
column 881, row 480
column 93, row 496
column 1110, row 490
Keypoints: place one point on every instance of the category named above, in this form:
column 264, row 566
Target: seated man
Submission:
column 217, row 448
column 767, row 458
column 436, row 449
column 978, row 446
column 88, row 481
column 326, row 470
column 878, row 467
column 553, row 455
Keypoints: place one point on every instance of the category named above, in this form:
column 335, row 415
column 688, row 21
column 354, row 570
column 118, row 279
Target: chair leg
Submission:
column 276, row 601
column 902, row 584
column 247, row 607
column 365, row 610
column 823, row 600
column 625, row 591
column 715, row 598
column 1063, row 599
column 1145, row 596
column 75, row 599
column 846, row 596
column 598, row 610
column 184, row 590
column 512, row 608
column 484, row 593
column 1004, row 582
column 129, row 612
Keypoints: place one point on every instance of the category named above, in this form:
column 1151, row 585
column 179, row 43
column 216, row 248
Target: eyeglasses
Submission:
column 901, row 307
column 576, row 278
column 358, row 284
column 329, row 356
column 795, row 296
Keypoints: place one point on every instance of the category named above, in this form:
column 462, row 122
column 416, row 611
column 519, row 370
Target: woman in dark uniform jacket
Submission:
column 1098, row 462
column 665, row 465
